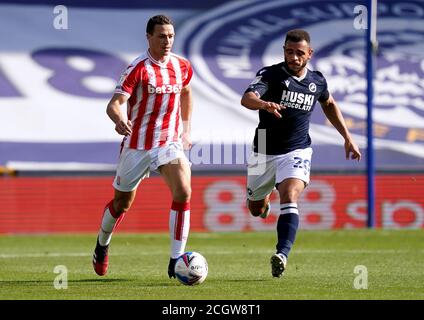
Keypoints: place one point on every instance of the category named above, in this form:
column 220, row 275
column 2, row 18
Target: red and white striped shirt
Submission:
column 153, row 89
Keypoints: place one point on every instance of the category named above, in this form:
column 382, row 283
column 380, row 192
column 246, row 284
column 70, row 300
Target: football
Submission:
column 191, row 268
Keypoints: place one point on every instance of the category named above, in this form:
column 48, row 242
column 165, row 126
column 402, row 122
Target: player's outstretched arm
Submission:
column 186, row 111
column 334, row 115
column 113, row 110
column 252, row 102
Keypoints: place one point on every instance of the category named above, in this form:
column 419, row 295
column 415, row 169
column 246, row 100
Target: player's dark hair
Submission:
column 297, row 35
column 159, row 19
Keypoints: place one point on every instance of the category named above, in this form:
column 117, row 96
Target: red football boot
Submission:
column 100, row 259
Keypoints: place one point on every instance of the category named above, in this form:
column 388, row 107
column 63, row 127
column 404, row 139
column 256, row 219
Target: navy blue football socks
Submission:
column 287, row 225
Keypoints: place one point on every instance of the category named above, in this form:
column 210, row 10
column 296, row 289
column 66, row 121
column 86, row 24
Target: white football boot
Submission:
column 278, row 264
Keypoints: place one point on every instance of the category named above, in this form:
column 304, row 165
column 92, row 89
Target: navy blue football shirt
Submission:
column 299, row 95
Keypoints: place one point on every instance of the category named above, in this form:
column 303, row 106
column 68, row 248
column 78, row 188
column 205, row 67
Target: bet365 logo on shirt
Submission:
column 166, row 88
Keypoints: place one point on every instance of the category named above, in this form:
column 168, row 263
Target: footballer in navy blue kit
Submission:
column 298, row 95
column 285, row 95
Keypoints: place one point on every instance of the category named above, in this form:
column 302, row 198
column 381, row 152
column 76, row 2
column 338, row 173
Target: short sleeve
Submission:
column 187, row 73
column 129, row 80
column 260, row 84
column 325, row 94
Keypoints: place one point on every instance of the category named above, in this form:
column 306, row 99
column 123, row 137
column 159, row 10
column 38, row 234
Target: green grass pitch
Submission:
column 321, row 266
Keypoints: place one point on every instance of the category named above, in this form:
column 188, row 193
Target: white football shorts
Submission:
column 135, row 165
column 265, row 171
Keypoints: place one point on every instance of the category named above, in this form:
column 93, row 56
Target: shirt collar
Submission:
column 285, row 68
column 164, row 63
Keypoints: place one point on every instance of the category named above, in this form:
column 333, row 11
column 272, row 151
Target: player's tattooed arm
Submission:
column 334, row 115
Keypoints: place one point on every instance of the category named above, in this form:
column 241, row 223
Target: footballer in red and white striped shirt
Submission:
column 156, row 88
column 153, row 89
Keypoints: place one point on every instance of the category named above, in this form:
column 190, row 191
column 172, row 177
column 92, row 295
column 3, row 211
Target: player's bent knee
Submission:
column 290, row 195
column 182, row 195
column 122, row 205
column 123, row 200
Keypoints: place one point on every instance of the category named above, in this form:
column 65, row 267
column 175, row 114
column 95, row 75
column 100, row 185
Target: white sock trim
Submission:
column 290, row 207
